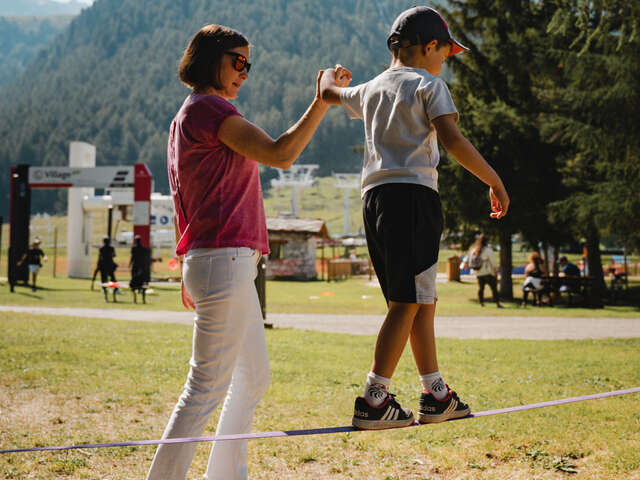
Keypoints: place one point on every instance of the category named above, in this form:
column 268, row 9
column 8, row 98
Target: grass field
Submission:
column 74, row 380
column 353, row 296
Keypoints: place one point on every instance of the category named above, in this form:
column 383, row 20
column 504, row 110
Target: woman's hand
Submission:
column 187, row 301
column 318, row 81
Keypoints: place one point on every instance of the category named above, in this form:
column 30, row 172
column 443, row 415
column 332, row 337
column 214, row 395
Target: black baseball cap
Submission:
column 418, row 26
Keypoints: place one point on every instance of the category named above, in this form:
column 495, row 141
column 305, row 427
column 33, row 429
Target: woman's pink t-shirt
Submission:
column 216, row 191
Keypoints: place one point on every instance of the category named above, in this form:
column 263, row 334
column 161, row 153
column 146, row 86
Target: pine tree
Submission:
column 596, row 111
column 494, row 89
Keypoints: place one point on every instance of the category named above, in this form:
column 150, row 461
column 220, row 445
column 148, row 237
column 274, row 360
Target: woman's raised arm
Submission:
column 251, row 141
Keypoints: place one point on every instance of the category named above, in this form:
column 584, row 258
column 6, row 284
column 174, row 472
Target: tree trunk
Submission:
column 545, row 255
column 598, row 288
column 556, row 269
column 506, row 266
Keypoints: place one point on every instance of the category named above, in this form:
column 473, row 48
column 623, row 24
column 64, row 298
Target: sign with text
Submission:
column 97, row 177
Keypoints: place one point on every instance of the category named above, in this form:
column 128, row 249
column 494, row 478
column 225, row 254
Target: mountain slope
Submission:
column 21, row 38
column 110, row 79
column 39, row 7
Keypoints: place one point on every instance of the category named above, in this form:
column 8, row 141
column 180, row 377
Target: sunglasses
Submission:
column 240, row 62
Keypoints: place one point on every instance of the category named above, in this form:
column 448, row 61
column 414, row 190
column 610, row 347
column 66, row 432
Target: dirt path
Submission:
column 532, row 328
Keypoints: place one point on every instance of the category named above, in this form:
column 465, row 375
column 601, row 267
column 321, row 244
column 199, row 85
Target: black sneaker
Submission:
column 388, row 415
column 435, row 411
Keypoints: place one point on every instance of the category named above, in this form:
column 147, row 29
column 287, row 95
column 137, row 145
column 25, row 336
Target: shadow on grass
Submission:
column 626, row 297
column 29, row 294
column 49, row 289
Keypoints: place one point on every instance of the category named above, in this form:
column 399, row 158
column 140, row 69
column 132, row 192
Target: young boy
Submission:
column 405, row 110
column 33, row 256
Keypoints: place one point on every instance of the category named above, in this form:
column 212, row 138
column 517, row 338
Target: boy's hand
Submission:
column 499, row 201
column 342, row 76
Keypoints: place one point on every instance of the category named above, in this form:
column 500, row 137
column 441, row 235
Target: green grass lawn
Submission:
column 353, row 296
column 74, row 380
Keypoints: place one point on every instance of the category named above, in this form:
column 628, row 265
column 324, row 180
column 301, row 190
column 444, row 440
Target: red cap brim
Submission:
column 457, row 47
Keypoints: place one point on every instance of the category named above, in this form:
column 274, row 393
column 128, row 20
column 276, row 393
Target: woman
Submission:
column 221, row 232
column 533, row 273
column 483, row 261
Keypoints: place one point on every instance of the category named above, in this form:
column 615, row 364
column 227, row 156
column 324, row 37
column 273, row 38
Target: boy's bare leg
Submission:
column 437, row 402
column 393, row 336
column 376, row 409
column 423, row 340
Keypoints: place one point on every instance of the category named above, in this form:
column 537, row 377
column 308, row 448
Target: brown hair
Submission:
column 200, row 64
column 534, row 257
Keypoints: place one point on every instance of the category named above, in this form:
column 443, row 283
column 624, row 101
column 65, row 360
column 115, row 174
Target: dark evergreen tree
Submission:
column 494, row 89
column 596, row 111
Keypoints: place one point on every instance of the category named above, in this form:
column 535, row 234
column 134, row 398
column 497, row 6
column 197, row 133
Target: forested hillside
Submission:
column 20, row 40
column 110, row 78
column 39, row 7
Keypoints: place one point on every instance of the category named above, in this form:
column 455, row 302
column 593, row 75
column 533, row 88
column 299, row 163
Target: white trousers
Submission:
column 229, row 362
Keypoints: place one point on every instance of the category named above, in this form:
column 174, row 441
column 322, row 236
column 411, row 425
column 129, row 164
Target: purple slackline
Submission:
column 314, row 431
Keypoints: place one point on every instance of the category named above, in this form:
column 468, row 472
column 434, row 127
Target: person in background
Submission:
column 213, row 156
column 567, row 268
column 34, row 257
column 140, row 265
column 533, row 273
column 107, row 268
column 482, row 259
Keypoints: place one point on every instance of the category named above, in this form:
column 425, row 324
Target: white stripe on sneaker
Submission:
column 386, row 414
column 452, row 407
column 391, row 414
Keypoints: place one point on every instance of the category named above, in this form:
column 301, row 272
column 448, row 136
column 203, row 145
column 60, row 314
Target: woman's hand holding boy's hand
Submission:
column 342, row 76
column 499, row 201
column 332, row 79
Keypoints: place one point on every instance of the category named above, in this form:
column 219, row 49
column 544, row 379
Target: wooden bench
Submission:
column 572, row 286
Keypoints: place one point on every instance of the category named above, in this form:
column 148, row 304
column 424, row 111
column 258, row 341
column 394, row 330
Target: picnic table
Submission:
column 572, row 286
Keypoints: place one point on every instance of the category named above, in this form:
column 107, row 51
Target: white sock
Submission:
column 434, row 384
column 376, row 389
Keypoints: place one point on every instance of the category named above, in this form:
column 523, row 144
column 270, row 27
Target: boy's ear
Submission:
column 431, row 46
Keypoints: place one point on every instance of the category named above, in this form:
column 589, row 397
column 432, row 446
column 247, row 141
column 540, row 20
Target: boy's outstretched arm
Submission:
column 466, row 155
column 330, row 85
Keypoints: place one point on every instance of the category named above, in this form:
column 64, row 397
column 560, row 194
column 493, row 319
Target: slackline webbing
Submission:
column 314, row 431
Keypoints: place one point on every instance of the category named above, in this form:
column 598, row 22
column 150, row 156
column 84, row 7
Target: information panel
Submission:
column 97, row 177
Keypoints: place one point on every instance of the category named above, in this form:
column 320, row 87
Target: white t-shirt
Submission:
column 397, row 108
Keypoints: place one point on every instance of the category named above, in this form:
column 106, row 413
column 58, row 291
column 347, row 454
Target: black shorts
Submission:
column 403, row 224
